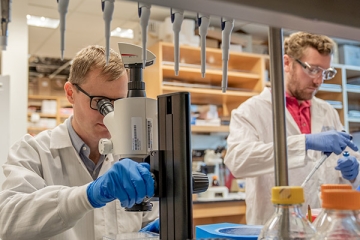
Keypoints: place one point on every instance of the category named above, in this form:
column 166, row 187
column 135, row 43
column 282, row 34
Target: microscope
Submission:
column 157, row 132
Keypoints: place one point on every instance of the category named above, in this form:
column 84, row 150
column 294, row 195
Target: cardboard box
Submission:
column 44, row 87
column 212, row 43
column 57, row 86
column 33, row 87
column 349, row 55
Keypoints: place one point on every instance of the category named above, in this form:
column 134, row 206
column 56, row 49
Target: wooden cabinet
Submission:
column 246, row 74
column 233, row 211
column 57, row 110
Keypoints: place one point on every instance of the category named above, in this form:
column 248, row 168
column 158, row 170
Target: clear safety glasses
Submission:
column 316, row 71
column 95, row 99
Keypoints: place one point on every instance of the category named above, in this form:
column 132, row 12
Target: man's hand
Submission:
column 126, row 180
column 330, row 141
column 349, row 167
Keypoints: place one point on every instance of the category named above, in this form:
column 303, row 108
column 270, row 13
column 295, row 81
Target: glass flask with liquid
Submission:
column 287, row 222
column 319, row 220
column 340, row 207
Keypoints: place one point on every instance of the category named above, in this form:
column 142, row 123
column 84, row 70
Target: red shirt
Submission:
column 300, row 113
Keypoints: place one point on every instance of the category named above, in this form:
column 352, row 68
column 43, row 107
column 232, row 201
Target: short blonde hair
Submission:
column 296, row 43
column 93, row 57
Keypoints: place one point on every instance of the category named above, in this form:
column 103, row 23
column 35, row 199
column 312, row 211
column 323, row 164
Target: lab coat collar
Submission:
column 317, row 112
column 60, row 137
column 290, row 122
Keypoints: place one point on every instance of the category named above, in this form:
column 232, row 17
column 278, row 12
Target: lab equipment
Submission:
column 339, row 221
column 203, row 22
column 127, row 181
column 228, row 231
column 62, row 9
column 5, row 8
column 287, row 222
column 319, row 220
column 349, row 166
column 177, row 17
column 227, row 25
column 329, row 141
column 318, row 164
column 107, row 6
column 169, row 154
column 144, row 15
column 154, row 226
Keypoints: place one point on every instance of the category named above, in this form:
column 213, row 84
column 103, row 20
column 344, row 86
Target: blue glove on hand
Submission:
column 330, row 141
column 154, row 227
column 349, row 167
column 126, row 180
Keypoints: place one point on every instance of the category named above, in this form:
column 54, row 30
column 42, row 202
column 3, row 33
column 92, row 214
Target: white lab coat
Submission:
column 44, row 194
column 250, row 154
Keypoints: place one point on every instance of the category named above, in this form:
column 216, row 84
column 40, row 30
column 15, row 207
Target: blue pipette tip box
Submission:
column 228, row 231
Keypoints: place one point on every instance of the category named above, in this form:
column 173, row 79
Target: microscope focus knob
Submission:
column 200, row 182
column 105, row 146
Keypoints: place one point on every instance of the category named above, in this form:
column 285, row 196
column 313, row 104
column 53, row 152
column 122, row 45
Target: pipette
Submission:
column 322, row 159
column 144, row 15
column 177, row 17
column 62, row 9
column 108, row 10
column 203, row 22
column 227, row 25
column 5, row 11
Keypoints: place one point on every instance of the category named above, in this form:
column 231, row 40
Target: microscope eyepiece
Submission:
column 104, row 106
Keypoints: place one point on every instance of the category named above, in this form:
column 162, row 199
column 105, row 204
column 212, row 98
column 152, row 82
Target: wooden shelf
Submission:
column 43, row 115
column 246, row 74
column 61, row 101
column 209, row 129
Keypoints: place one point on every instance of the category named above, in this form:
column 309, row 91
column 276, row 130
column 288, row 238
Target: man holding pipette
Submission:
column 313, row 129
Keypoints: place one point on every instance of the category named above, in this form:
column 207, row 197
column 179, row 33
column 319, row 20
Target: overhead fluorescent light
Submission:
column 42, row 21
column 123, row 33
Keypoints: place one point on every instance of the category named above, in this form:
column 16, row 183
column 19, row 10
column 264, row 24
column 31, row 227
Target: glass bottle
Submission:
column 319, row 220
column 340, row 223
column 288, row 222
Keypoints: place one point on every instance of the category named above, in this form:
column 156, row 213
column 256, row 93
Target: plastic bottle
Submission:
column 340, row 222
column 215, row 181
column 288, row 222
column 322, row 216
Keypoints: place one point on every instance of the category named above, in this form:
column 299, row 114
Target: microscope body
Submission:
column 158, row 132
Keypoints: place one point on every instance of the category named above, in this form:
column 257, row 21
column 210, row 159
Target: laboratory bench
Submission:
column 219, row 211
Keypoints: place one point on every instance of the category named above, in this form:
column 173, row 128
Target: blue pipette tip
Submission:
column 346, row 154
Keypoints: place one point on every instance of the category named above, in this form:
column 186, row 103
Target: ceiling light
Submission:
column 42, row 21
column 123, row 33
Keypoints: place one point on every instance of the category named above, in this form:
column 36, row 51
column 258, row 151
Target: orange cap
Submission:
column 334, row 186
column 341, row 199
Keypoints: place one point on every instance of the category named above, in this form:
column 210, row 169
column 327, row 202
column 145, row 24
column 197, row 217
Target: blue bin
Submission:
column 228, row 231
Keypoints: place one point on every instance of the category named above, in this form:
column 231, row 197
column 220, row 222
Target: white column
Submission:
column 14, row 62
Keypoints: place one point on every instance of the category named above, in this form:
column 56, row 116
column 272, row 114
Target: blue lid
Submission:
column 228, row 231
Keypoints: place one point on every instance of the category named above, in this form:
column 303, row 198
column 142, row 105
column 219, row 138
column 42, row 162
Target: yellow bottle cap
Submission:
column 287, row 195
column 341, row 199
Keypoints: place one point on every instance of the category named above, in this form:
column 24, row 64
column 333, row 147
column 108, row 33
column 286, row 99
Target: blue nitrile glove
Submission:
column 349, row 167
column 154, row 227
column 330, row 141
column 126, row 180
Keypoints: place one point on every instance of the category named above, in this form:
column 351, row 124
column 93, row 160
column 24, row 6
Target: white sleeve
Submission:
column 250, row 153
column 28, row 208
